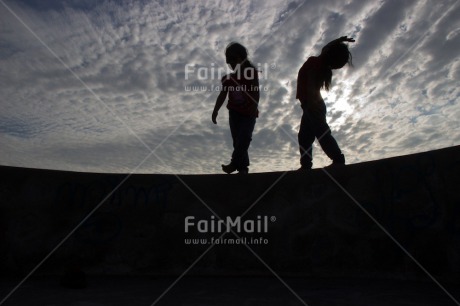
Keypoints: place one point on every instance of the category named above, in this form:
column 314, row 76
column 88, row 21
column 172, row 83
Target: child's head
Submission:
column 235, row 52
column 337, row 55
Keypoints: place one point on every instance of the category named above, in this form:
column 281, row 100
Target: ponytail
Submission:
column 327, row 78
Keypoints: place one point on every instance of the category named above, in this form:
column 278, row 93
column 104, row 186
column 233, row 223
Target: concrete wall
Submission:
column 314, row 227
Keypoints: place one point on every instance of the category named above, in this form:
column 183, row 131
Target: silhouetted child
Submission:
column 316, row 73
column 242, row 88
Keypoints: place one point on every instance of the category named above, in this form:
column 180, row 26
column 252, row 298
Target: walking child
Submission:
column 242, row 88
column 316, row 73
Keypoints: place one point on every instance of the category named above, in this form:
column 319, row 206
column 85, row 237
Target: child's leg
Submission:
column 234, row 127
column 234, row 130
column 306, row 138
column 243, row 128
column 325, row 138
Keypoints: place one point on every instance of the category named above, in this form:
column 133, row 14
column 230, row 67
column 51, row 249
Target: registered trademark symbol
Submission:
column 273, row 218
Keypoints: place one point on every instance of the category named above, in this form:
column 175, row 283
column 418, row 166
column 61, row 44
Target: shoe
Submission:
column 335, row 165
column 303, row 169
column 243, row 171
column 229, row 168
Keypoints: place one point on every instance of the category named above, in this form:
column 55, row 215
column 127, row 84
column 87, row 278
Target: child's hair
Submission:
column 235, row 50
column 336, row 56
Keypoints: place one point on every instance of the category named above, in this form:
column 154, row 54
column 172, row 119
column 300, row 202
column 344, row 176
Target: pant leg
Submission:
column 323, row 133
column 243, row 127
column 234, row 127
column 306, row 138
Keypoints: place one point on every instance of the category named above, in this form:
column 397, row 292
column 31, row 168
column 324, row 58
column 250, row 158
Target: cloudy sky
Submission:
column 101, row 86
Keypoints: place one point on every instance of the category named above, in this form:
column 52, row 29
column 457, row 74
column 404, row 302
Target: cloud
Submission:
column 121, row 92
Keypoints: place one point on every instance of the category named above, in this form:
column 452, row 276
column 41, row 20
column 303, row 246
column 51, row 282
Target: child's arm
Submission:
column 219, row 102
column 253, row 96
column 337, row 41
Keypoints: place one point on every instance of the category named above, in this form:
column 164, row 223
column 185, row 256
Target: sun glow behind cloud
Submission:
column 400, row 97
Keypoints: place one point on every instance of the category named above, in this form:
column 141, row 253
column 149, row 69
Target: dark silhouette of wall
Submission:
column 314, row 227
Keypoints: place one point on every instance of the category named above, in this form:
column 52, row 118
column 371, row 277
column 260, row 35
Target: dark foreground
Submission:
column 201, row 291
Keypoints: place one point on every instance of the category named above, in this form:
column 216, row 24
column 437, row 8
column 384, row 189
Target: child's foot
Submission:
column 335, row 165
column 229, row 168
column 243, row 171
